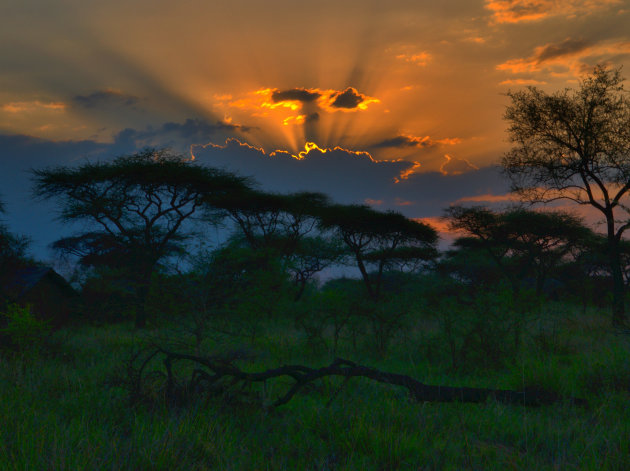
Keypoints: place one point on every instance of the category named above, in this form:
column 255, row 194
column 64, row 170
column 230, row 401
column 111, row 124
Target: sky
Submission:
column 395, row 104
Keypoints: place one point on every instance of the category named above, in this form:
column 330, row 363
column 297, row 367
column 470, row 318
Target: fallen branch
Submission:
column 218, row 374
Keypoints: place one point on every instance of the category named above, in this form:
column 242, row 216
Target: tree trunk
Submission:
column 366, row 277
column 141, row 313
column 618, row 307
column 142, row 293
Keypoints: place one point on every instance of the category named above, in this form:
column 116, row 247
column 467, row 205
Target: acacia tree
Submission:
column 575, row 145
column 285, row 224
column 520, row 242
column 272, row 220
column 138, row 205
column 379, row 239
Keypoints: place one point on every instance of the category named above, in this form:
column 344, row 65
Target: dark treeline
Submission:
column 141, row 213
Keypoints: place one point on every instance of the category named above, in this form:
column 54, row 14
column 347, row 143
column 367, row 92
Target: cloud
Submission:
column 403, row 141
column 405, row 174
column 178, row 135
column 261, row 101
column 521, row 81
column 421, row 58
column 456, row 166
column 347, row 176
column 517, row 11
column 402, row 202
column 488, row 198
column 36, row 105
column 350, row 99
column 106, row 98
column 295, row 94
column 569, row 54
column 355, row 177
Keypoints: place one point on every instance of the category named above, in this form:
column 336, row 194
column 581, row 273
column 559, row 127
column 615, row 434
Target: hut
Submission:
column 49, row 295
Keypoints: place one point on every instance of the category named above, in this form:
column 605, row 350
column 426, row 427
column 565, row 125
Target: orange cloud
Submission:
column 421, row 58
column 475, row 39
column 456, row 166
column 228, row 142
column 568, row 54
column 402, row 202
column 405, row 174
column 407, row 140
column 330, row 100
column 488, row 198
column 517, row 11
column 347, row 100
column 438, row 223
column 522, row 82
column 372, row 202
column 25, row 106
column 299, row 119
column 311, row 146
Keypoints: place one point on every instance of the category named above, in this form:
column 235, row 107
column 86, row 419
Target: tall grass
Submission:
column 58, row 409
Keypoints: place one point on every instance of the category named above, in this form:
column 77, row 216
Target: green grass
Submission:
column 58, row 410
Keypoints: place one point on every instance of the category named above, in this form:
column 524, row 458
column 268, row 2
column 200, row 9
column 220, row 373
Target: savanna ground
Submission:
column 62, row 406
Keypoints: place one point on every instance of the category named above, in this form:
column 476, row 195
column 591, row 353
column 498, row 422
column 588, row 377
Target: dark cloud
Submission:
column 402, row 142
column 311, row 118
column 354, row 177
column 347, row 176
column 349, row 98
column 104, row 98
column 172, row 134
column 295, row 94
column 566, row 47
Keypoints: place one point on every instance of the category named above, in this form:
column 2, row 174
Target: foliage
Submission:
column 379, row 239
column 575, row 145
column 521, row 242
column 13, row 255
column 139, row 203
column 236, row 289
column 23, row 331
column 58, row 412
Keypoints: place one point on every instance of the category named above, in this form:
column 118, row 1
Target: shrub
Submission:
column 23, row 331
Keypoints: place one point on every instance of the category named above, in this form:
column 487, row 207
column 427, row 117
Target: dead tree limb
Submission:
column 218, row 374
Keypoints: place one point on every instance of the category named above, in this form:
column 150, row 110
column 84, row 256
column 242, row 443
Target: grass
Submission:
column 58, row 410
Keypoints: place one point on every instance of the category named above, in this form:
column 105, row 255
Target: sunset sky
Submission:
column 396, row 104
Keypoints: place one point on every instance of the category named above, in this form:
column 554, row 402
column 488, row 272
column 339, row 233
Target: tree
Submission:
column 284, row 223
column 575, row 145
column 13, row 255
column 138, row 205
column 379, row 238
column 520, row 242
column 272, row 220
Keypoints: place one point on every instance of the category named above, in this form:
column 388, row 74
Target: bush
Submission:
column 23, row 331
column 481, row 326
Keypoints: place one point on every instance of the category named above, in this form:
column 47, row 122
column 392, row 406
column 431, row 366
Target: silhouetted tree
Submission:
column 138, row 203
column 310, row 256
column 13, row 255
column 521, row 242
column 379, row 239
column 575, row 145
column 286, row 224
column 272, row 220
